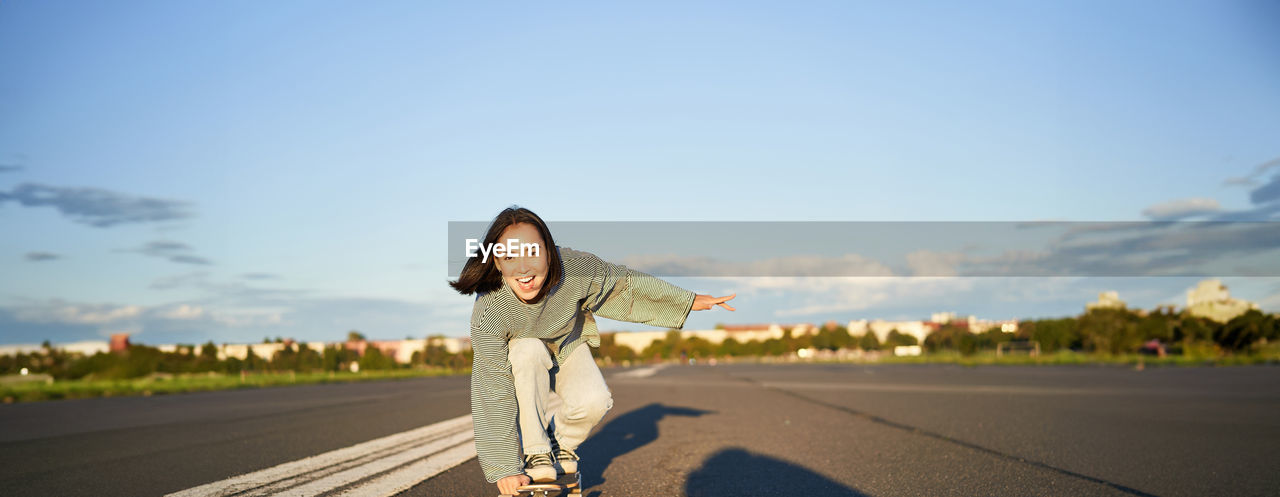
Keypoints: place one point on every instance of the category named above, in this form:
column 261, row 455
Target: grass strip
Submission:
column 204, row 382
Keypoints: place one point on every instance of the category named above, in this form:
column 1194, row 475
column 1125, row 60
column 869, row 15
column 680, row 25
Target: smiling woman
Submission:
column 533, row 311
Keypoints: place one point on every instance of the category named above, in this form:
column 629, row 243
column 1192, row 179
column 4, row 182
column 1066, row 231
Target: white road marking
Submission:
column 379, row 467
column 404, row 478
column 641, row 372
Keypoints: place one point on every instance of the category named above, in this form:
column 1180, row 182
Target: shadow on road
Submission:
column 624, row 434
column 739, row 472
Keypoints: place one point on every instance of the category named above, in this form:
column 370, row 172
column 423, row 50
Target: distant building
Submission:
column 637, row 340
column 176, row 349
column 397, row 349
column 747, row 332
column 318, row 347
column 400, row 350
column 1106, row 300
column 403, row 350
column 119, row 342
column 357, row 346
column 640, row 340
column 881, row 328
column 12, row 350
column 803, row 329
column 451, row 345
column 983, row 325
column 1210, row 299
column 922, row 329
column 241, row 351
column 87, row 348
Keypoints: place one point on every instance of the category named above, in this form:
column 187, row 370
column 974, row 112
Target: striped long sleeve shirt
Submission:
column 564, row 318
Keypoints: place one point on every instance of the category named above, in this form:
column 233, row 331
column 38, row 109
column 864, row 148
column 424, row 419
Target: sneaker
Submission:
column 567, row 460
column 539, row 468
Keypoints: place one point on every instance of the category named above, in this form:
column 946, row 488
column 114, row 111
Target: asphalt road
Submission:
column 839, row 430
column 847, row 430
column 139, row 446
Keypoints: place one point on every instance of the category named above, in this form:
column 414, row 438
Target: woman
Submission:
column 534, row 310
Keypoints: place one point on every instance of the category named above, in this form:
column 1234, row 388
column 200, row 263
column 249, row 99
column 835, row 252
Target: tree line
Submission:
column 1099, row 331
column 142, row 360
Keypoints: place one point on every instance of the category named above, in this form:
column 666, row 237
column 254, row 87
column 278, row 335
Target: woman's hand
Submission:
column 704, row 302
column 508, row 485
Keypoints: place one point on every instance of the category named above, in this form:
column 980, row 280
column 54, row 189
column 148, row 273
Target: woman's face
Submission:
column 522, row 270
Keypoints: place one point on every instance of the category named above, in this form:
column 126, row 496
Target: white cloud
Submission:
column 61, row 312
column 1252, row 179
column 930, row 263
column 802, row 265
column 1174, row 210
column 248, row 317
column 824, row 295
column 97, row 207
column 182, row 312
column 916, row 297
column 237, row 311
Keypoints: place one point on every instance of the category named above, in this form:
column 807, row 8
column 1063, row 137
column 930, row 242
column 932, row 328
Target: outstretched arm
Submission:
column 617, row 292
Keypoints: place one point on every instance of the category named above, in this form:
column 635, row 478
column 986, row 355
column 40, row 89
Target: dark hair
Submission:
column 483, row 277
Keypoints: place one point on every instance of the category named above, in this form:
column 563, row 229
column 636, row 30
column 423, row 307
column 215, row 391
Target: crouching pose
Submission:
column 534, row 311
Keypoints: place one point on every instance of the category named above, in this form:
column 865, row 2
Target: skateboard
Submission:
column 564, row 486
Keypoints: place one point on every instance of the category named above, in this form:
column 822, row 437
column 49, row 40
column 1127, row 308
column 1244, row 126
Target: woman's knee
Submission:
column 593, row 407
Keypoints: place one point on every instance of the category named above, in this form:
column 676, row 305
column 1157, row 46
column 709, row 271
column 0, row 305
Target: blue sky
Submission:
column 188, row 171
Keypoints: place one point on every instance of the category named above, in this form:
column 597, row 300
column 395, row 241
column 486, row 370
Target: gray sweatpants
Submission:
column 584, row 396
